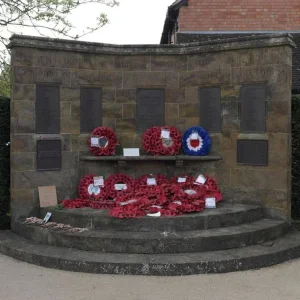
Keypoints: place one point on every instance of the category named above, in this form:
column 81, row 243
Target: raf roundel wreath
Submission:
column 106, row 141
column 196, row 142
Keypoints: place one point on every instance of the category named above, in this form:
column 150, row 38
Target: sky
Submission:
column 132, row 22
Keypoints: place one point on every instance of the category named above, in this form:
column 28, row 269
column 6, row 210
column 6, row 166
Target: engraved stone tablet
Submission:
column 47, row 109
column 210, row 109
column 150, row 108
column 252, row 152
column 90, row 109
column 48, row 155
column 253, row 108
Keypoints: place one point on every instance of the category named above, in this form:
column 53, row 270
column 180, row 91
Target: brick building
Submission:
column 204, row 20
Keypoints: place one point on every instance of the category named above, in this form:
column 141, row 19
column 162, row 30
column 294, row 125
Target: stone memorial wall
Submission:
column 239, row 90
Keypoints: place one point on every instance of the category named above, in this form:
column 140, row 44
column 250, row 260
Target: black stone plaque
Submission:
column 47, row 109
column 48, row 155
column 90, row 109
column 252, row 152
column 253, row 108
column 150, row 108
column 210, row 109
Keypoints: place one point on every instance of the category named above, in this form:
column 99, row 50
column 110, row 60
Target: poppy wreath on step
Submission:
column 103, row 141
column 119, row 184
column 87, row 190
column 154, row 143
column 196, row 141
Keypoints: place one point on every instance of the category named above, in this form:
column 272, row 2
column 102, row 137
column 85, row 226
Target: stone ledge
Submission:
column 150, row 158
column 178, row 159
column 179, row 49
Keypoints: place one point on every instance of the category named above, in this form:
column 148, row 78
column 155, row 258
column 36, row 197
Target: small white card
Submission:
column 94, row 141
column 194, row 136
column 47, row 217
column 165, row 134
column 120, row 187
column 181, row 179
column 151, row 181
column 128, row 202
column 200, row 179
column 158, row 214
column 99, row 181
column 131, row 152
column 210, row 202
column 178, row 202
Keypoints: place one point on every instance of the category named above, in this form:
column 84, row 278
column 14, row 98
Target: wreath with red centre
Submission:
column 119, row 184
column 87, row 189
column 162, row 141
column 103, row 141
column 196, row 142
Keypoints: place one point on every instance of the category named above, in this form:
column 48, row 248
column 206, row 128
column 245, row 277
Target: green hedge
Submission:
column 4, row 163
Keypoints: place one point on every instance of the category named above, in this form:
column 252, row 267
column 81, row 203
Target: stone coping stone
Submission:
column 151, row 158
column 269, row 40
column 251, row 257
column 226, row 214
column 260, row 231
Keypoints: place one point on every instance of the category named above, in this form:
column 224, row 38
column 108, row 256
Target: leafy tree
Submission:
column 46, row 17
column 5, row 81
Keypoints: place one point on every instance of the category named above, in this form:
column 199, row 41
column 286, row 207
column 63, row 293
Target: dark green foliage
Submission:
column 4, row 163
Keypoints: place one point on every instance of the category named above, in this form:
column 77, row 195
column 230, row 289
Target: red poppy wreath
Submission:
column 162, row 140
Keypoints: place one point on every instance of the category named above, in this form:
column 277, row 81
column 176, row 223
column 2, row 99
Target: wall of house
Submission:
column 180, row 71
column 240, row 15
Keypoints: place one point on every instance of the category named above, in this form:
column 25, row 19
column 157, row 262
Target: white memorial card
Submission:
column 210, row 202
column 120, row 187
column 131, row 152
column 99, row 181
column 158, row 214
column 181, row 179
column 200, row 179
column 194, row 136
column 94, row 141
column 151, row 181
column 47, row 217
column 165, row 134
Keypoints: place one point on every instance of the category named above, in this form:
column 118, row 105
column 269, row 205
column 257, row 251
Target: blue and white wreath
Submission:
column 196, row 142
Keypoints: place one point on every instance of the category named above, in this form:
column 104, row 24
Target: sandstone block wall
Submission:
column 180, row 71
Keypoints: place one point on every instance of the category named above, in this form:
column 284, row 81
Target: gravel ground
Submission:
column 19, row 280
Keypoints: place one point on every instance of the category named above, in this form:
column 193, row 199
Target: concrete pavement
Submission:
column 19, row 280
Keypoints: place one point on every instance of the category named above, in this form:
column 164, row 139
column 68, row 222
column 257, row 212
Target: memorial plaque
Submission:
column 90, row 109
column 252, row 152
column 210, row 109
column 48, row 155
column 47, row 109
column 253, row 109
column 150, row 108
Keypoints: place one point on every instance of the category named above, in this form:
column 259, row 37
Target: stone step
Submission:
column 251, row 257
column 226, row 214
column 159, row 242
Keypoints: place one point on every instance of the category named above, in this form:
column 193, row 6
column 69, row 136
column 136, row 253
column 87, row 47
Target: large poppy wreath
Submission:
column 87, row 190
column 103, row 141
column 156, row 143
column 196, row 141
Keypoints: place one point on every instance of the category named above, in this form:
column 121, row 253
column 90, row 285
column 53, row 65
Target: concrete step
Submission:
column 251, row 257
column 158, row 242
column 224, row 215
